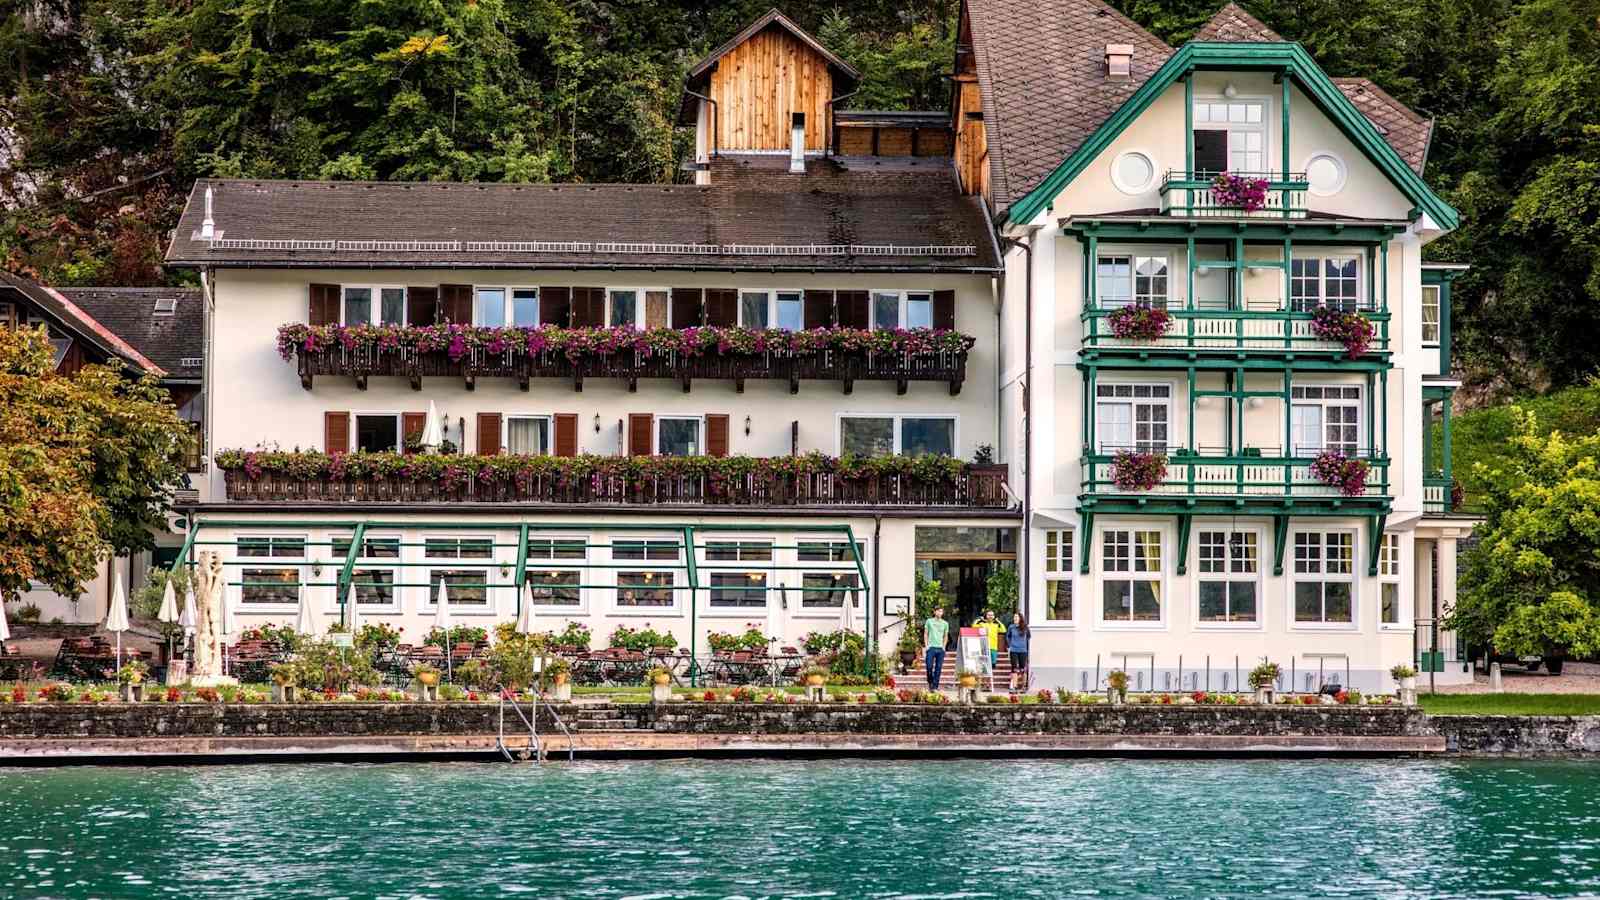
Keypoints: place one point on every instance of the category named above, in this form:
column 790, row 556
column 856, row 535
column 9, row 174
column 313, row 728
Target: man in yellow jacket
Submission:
column 993, row 631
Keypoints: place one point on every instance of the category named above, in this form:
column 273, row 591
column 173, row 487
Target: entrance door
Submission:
column 964, row 584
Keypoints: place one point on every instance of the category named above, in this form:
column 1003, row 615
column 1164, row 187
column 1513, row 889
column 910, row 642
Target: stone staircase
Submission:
column 917, row 679
column 588, row 717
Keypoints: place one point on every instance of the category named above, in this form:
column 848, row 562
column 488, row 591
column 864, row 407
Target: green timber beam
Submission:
column 1223, row 360
column 1374, row 545
column 188, row 545
column 861, row 576
column 1280, row 537
column 348, row 569
column 1168, row 229
column 1184, row 523
column 694, row 605
column 522, row 566
column 1087, row 517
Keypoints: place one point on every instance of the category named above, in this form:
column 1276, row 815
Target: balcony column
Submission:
column 1447, row 595
column 1288, row 411
column 1444, row 428
column 1422, row 599
column 1192, row 388
column 1284, row 78
column 1188, row 132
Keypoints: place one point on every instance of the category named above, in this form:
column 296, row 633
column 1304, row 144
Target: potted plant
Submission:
column 814, row 676
column 1405, row 676
column 427, row 676
column 1117, row 687
column 556, row 676
column 130, row 678
column 285, row 677
column 967, row 679
column 1264, row 679
column 660, row 676
column 908, row 649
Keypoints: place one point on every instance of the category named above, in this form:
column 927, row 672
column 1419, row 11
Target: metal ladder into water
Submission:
column 535, row 749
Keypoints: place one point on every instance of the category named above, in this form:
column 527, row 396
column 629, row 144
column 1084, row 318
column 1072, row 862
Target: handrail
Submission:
column 535, row 747
column 1233, row 330
column 1245, row 476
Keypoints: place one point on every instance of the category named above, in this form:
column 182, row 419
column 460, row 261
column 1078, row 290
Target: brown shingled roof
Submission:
column 174, row 341
column 1408, row 132
column 1232, row 25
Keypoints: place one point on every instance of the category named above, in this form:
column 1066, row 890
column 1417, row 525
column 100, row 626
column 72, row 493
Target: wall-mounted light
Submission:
column 316, row 568
column 1230, row 91
column 596, row 423
column 1255, row 402
column 746, row 426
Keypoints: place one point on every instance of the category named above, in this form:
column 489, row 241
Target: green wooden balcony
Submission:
column 1191, row 195
column 1252, row 331
column 1438, row 494
column 1240, row 484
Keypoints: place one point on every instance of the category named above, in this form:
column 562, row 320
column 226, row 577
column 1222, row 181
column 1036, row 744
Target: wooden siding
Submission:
column 972, row 142
column 760, row 82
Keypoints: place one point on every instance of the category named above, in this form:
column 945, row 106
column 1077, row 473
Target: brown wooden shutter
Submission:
column 422, row 305
column 488, row 434
column 411, row 425
column 566, row 434
column 853, row 309
column 722, row 306
column 944, row 310
column 716, row 435
column 641, row 434
column 324, row 304
column 555, row 306
column 335, row 432
column 819, row 309
column 687, row 308
column 455, row 301
column 588, row 307
column 655, row 309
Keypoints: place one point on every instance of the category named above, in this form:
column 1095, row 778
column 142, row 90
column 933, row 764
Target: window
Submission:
column 525, row 307
column 557, row 548
column 789, row 310
column 902, row 309
column 1229, row 570
column 1131, row 570
column 1389, row 585
column 827, row 590
column 378, row 432
column 1230, row 135
column 738, row 590
column 1331, row 281
column 828, row 551
column 497, row 306
column 489, row 307
column 678, row 436
column 270, row 585
column 527, row 435
column 373, row 586
column 1058, row 576
column 468, row 587
column 907, row 435
column 624, row 308
column 721, row 551
column 1121, row 280
column 639, row 589
column 360, row 308
column 547, row 584
column 754, row 309
column 1325, row 417
column 1324, row 577
column 1430, row 315
column 772, row 309
column 654, row 550
column 1132, row 417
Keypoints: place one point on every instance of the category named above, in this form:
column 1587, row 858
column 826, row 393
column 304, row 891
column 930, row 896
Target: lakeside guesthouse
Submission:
column 1149, row 326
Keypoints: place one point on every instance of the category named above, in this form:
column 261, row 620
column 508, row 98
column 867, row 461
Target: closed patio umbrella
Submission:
column 525, row 615
column 189, row 617
column 352, row 612
column 441, row 619
column 168, row 614
column 117, row 616
column 432, row 432
column 5, row 630
column 305, row 620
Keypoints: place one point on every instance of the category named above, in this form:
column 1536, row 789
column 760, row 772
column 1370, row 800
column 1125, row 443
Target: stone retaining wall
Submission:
column 1518, row 735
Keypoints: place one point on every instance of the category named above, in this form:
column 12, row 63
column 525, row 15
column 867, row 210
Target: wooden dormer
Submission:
column 756, row 82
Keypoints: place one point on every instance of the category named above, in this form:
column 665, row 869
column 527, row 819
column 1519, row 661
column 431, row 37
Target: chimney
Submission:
column 797, row 144
column 208, row 225
column 1119, row 62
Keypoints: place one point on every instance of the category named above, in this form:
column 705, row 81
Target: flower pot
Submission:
column 560, row 678
column 968, row 680
column 661, row 679
column 814, row 680
column 1115, row 697
column 908, row 658
column 428, row 679
column 132, row 692
column 1409, row 683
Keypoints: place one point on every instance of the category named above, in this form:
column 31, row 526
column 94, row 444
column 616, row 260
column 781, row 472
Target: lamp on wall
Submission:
column 746, row 426
column 596, row 423
column 1230, row 91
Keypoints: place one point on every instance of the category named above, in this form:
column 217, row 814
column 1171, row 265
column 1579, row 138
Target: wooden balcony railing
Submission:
column 1276, row 331
column 900, row 367
column 1234, row 478
column 1439, row 494
column 1191, row 195
column 975, row 487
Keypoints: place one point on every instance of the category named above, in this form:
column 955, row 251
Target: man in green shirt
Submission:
column 935, row 631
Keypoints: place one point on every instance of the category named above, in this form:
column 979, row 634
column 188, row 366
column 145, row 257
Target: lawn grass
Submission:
column 1510, row 704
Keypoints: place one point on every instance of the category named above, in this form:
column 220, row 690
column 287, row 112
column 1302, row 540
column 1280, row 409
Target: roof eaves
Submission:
column 103, row 338
column 773, row 16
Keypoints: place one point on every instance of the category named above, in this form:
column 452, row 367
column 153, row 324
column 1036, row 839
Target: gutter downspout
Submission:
column 208, row 361
column 877, row 559
column 714, row 138
column 1026, row 543
column 827, row 137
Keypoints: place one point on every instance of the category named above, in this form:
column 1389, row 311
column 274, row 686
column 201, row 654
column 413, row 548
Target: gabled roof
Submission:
column 700, row 73
column 174, row 341
column 71, row 317
column 1232, row 25
column 1406, row 131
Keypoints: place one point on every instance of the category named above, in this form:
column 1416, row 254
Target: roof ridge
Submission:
column 1233, row 24
column 771, row 17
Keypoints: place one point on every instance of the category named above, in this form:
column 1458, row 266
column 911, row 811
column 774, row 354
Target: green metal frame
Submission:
column 1443, row 279
column 1291, row 63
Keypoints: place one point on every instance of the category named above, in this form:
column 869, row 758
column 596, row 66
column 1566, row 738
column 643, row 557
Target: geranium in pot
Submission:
column 1117, row 687
column 814, row 676
column 427, row 677
column 130, row 680
column 1264, row 680
column 1405, row 676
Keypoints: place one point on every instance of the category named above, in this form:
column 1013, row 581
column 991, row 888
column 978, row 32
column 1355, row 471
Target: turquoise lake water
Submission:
column 836, row 828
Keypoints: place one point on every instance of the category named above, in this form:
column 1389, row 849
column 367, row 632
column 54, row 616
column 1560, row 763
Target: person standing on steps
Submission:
column 1017, row 644
column 935, row 631
column 992, row 629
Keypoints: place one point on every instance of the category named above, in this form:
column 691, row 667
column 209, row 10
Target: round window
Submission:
column 1325, row 172
column 1133, row 172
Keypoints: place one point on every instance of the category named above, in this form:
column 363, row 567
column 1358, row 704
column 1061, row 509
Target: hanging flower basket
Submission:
column 1139, row 322
column 1237, row 191
column 1347, row 328
column 1334, row 469
column 1131, row 471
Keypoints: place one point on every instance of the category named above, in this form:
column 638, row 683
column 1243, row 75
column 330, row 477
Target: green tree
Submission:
column 1531, row 584
column 88, row 463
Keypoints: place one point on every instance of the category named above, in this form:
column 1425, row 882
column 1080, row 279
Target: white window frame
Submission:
column 1321, row 281
column 549, row 430
column 671, row 567
column 1135, row 260
column 300, row 564
column 377, row 302
column 903, row 307
column 1358, row 403
column 509, row 305
column 491, row 571
column 554, row 563
column 1260, row 127
column 640, row 292
column 700, row 432
column 399, row 427
column 772, row 306
column 369, row 564
column 1131, row 575
column 1229, row 576
column 1324, row 578
column 899, row 420
column 1437, row 305
column 1133, row 403
column 754, row 563
column 1389, row 576
column 842, row 567
column 1059, row 567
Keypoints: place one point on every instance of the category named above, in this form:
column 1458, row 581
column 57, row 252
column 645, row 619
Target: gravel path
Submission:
column 1575, row 678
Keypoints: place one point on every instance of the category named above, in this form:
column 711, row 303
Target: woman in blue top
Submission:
column 1017, row 643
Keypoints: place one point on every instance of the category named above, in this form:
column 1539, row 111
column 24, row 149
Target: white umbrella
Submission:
column 432, row 435
column 848, row 614
column 441, row 619
column 117, row 616
column 305, row 620
column 525, row 615
column 189, row 618
column 169, row 603
column 352, row 612
column 5, row 630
